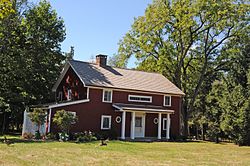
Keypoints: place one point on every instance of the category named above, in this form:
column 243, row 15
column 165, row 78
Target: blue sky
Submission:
column 96, row 26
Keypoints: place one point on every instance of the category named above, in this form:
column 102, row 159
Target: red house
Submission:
column 134, row 104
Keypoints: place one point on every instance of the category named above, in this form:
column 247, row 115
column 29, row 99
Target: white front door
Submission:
column 139, row 125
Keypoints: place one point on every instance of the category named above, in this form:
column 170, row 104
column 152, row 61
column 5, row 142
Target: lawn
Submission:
column 123, row 153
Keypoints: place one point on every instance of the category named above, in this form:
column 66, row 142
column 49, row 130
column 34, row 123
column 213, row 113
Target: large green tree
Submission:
column 182, row 40
column 30, row 56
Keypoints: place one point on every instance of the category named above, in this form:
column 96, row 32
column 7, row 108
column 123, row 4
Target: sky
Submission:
column 96, row 26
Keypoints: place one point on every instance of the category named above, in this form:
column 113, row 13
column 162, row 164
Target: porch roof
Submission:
column 142, row 108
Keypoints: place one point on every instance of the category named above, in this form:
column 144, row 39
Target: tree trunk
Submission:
column 3, row 126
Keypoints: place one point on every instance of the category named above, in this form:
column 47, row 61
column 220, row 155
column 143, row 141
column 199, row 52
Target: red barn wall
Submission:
column 89, row 114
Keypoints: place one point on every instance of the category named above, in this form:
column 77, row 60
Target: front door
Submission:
column 139, row 125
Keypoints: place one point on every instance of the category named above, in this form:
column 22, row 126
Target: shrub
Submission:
column 63, row 136
column 64, row 120
column 107, row 134
column 86, row 136
column 51, row 136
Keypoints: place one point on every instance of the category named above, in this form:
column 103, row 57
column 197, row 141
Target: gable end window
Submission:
column 167, row 101
column 144, row 99
column 107, row 96
column 106, row 122
column 69, row 97
column 59, row 97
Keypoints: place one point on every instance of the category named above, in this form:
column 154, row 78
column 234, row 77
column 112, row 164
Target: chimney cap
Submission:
column 101, row 55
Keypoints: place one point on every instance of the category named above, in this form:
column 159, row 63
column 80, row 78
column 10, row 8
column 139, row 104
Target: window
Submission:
column 59, row 98
column 138, row 121
column 164, row 124
column 167, row 101
column 135, row 98
column 107, row 96
column 106, row 122
column 69, row 97
column 74, row 115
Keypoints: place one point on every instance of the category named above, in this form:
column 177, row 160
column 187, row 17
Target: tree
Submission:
column 5, row 8
column 64, row 120
column 30, row 56
column 44, row 31
column 38, row 116
column 182, row 40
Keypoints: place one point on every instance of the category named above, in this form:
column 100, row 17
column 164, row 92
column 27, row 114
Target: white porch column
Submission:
column 168, row 126
column 132, row 136
column 159, row 126
column 123, row 124
column 49, row 120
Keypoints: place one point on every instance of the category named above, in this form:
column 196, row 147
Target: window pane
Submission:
column 167, row 100
column 107, row 95
column 105, row 123
column 164, row 124
column 138, row 122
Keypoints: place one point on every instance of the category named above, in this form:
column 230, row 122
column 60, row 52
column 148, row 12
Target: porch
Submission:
column 138, row 125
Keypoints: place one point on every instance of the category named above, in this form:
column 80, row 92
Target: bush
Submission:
column 63, row 136
column 86, row 136
column 37, row 135
column 107, row 134
column 51, row 136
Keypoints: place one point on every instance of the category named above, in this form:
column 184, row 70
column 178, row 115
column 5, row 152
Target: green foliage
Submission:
column 182, row 40
column 5, row 8
column 38, row 116
column 64, row 120
column 30, row 56
column 86, row 136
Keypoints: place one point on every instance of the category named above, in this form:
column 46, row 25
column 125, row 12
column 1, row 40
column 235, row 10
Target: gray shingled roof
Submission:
column 109, row 77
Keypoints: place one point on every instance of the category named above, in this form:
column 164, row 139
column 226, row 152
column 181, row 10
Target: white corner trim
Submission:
column 102, row 119
column 62, row 74
column 68, row 103
column 111, row 97
column 170, row 100
column 141, row 101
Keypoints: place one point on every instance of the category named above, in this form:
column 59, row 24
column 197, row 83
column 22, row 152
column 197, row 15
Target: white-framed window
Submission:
column 106, row 122
column 167, row 101
column 107, row 96
column 69, row 97
column 136, row 98
column 59, row 96
column 164, row 120
column 74, row 115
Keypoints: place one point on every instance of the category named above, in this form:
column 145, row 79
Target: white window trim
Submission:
column 111, row 97
column 170, row 100
column 164, row 120
column 102, row 119
column 150, row 97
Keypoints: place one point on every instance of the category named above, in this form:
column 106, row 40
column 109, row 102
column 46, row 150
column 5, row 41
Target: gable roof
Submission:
column 93, row 75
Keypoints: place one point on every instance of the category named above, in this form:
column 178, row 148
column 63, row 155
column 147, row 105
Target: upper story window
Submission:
column 144, row 99
column 167, row 101
column 107, row 96
column 59, row 98
column 69, row 96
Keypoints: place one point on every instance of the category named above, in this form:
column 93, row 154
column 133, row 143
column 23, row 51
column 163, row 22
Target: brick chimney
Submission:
column 101, row 60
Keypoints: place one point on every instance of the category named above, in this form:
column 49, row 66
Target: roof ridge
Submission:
column 136, row 70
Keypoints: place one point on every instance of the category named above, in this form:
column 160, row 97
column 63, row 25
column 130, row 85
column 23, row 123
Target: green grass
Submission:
column 123, row 153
